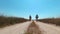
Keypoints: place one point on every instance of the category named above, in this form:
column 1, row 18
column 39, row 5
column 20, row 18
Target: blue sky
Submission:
column 24, row 8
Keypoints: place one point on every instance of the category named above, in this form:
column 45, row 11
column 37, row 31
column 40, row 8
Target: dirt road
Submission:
column 31, row 28
column 48, row 28
column 15, row 29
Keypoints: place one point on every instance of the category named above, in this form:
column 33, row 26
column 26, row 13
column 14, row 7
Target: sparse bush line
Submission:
column 51, row 21
column 7, row 21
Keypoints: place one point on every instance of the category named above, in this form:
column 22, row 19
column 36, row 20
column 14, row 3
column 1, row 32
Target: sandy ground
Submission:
column 33, row 29
column 15, row 29
column 48, row 28
column 23, row 27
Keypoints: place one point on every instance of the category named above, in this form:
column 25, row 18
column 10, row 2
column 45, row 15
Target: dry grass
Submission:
column 33, row 29
column 6, row 21
column 51, row 21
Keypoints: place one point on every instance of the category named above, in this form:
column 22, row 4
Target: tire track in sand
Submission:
column 33, row 29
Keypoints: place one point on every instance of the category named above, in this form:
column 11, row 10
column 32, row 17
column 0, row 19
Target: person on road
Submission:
column 30, row 17
column 36, row 17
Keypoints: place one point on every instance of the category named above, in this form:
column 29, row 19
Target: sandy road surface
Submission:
column 48, row 28
column 15, row 29
column 33, row 29
column 23, row 27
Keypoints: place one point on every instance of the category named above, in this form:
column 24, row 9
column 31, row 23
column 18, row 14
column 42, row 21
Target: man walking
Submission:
column 30, row 17
column 36, row 17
